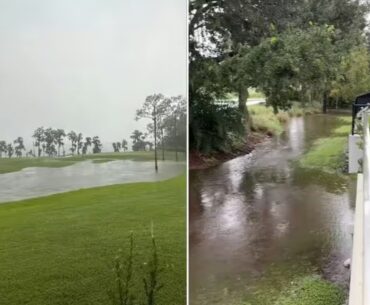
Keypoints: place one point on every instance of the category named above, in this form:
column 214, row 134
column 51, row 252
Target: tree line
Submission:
column 167, row 128
column 51, row 143
column 301, row 51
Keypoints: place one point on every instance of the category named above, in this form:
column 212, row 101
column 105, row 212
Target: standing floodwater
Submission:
column 259, row 221
column 41, row 181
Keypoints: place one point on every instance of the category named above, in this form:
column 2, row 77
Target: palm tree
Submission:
column 138, row 142
column 19, row 147
column 50, row 141
column 39, row 135
column 79, row 142
column 72, row 136
column 97, row 145
column 124, row 145
column 59, row 137
column 116, row 146
column 86, row 144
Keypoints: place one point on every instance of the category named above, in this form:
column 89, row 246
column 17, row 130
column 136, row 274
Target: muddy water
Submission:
column 259, row 221
column 41, row 181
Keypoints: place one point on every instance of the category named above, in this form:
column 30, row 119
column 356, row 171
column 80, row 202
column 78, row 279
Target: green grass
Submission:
column 311, row 290
column 264, row 120
column 60, row 249
column 15, row 164
column 293, row 284
column 328, row 153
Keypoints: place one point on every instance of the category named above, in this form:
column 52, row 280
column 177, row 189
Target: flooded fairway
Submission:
column 41, row 181
column 259, row 221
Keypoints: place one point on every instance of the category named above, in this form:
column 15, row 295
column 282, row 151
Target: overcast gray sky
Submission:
column 87, row 65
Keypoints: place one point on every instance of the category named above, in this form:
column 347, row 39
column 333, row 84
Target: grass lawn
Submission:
column 15, row 164
column 60, row 249
column 265, row 121
column 312, row 290
column 329, row 153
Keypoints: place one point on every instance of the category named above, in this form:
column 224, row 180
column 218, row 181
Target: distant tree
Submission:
column 50, row 142
column 72, row 136
column 19, row 146
column 97, row 146
column 3, row 148
column 116, row 146
column 175, row 124
column 10, row 150
column 138, row 142
column 86, row 145
column 153, row 109
column 124, row 145
column 30, row 153
column 59, row 138
column 38, row 135
column 79, row 142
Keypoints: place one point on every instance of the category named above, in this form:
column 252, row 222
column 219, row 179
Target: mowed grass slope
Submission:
column 329, row 153
column 15, row 164
column 60, row 249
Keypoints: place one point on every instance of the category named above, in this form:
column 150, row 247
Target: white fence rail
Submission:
column 366, row 205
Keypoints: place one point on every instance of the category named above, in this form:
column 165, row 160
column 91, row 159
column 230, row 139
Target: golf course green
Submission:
column 60, row 249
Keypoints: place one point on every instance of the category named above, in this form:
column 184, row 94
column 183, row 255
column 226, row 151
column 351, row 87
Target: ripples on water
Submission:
column 262, row 210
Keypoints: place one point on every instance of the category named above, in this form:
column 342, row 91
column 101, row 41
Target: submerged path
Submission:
column 42, row 181
column 259, row 221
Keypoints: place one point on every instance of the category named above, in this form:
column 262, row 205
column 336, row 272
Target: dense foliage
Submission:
column 302, row 51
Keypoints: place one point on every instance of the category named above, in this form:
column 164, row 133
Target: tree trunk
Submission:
column 155, row 142
column 325, row 102
column 276, row 109
column 242, row 101
column 303, row 95
column 162, row 144
column 175, row 128
column 243, row 96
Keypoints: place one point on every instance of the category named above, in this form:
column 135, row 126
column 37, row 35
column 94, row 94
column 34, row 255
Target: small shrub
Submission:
column 151, row 283
column 124, row 271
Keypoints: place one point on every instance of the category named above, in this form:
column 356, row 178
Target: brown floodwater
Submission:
column 260, row 220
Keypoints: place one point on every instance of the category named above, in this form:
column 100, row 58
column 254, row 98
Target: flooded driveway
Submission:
column 258, row 221
column 41, row 181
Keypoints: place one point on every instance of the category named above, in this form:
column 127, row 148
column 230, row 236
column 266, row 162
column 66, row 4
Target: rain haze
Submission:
column 87, row 65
